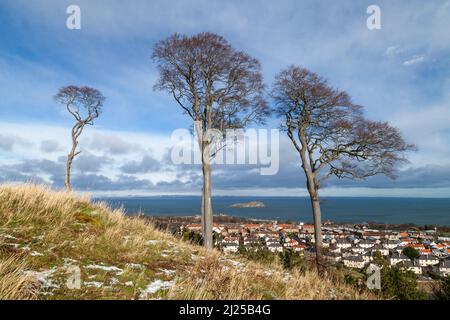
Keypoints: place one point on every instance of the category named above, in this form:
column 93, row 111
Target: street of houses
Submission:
column 352, row 246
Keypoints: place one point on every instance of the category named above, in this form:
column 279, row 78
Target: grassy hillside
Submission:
column 45, row 236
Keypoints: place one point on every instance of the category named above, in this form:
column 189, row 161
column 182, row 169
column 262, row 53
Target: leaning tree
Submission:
column 332, row 136
column 84, row 104
column 218, row 87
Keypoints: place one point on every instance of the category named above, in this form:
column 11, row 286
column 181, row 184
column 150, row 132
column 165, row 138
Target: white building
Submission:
column 429, row 260
column 395, row 259
column 444, row 268
column 354, row 262
column 413, row 266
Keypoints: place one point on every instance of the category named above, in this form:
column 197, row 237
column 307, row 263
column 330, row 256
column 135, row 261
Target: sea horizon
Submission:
column 387, row 210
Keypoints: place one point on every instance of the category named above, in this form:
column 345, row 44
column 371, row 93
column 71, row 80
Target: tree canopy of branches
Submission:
column 217, row 86
column 85, row 105
column 332, row 136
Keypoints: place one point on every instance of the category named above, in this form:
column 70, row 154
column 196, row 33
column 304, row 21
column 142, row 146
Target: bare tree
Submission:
column 331, row 135
column 84, row 104
column 218, row 87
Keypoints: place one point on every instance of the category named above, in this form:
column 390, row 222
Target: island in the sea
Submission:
column 251, row 204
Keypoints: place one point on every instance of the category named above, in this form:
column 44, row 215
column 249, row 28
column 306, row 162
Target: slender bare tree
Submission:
column 218, row 87
column 84, row 104
column 332, row 136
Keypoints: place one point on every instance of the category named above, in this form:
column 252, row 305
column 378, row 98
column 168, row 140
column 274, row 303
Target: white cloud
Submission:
column 393, row 50
column 414, row 60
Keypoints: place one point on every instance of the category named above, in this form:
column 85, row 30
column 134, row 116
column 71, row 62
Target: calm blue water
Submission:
column 340, row 209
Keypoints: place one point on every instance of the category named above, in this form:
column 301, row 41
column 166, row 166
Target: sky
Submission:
column 400, row 73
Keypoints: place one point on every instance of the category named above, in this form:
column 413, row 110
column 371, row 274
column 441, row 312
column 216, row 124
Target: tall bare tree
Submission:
column 332, row 136
column 84, row 104
column 218, row 87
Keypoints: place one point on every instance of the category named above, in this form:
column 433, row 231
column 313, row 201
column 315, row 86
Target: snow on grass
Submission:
column 168, row 272
column 93, row 284
column 117, row 270
column 137, row 266
column 44, row 277
column 155, row 286
column 36, row 254
column 10, row 237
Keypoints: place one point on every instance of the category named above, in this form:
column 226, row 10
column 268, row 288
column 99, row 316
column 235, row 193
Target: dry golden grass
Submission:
column 215, row 278
column 48, row 228
column 14, row 284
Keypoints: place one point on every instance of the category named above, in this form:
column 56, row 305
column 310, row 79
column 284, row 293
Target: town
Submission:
column 352, row 246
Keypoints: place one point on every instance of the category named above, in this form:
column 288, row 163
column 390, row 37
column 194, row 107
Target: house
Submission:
column 299, row 247
column 250, row 240
column 290, row 242
column 343, row 244
column 412, row 266
column 233, row 228
column 275, row 247
column 308, row 228
column 251, row 226
column 231, row 240
column 406, row 241
column 441, row 253
column 366, row 244
column 358, row 250
column 333, row 257
column 392, row 236
column 403, row 234
column 373, row 234
column 230, row 247
column 428, row 260
column 354, row 262
column 380, row 249
column 425, row 252
column 444, row 268
column 195, row 227
column 397, row 258
column 367, row 257
column 288, row 228
column 334, row 249
column 391, row 244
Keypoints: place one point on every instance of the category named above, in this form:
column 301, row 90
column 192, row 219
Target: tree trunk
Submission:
column 68, row 167
column 207, row 207
column 76, row 132
column 317, row 215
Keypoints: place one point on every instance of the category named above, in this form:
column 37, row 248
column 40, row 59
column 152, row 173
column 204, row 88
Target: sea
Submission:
column 419, row 211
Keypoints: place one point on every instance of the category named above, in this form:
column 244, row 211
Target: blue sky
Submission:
column 401, row 73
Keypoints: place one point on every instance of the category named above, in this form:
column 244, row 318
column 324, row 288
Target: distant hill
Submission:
column 48, row 238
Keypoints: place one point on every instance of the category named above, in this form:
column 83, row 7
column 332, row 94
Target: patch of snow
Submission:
column 8, row 236
column 43, row 277
column 94, row 284
column 168, row 272
column 114, row 281
column 36, row 254
column 155, row 286
column 129, row 283
column 69, row 261
column 135, row 266
column 117, row 270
